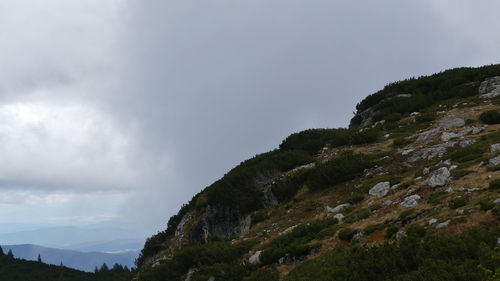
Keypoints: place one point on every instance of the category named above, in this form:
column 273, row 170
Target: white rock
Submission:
column 490, row 88
column 380, row 189
column 449, row 190
column 387, row 136
column 453, row 167
column 432, row 221
column 495, row 161
column 495, row 147
column 387, row 202
column 410, row 201
column 443, row 224
column 496, row 201
column 439, row 177
column 255, row 258
column 339, row 217
column 338, row 208
column 396, row 186
column 426, row 171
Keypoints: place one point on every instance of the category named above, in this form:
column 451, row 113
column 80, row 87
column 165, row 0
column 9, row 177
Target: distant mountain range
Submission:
column 85, row 261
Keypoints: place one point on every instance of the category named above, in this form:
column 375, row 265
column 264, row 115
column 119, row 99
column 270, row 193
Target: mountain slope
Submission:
column 86, row 261
column 409, row 192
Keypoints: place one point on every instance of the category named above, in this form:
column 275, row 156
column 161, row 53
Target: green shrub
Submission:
column 263, row 274
column 469, row 153
column 486, row 205
column 313, row 140
column 458, row 202
column 426, row 117
column 347, row 234
column 495, row 184
column 372, row 228
column 398, row 142
column 490, row 117
column 437, row 197
column 391, row 231
column 459, row 173
column 393, row 117
column 295, row 242
column 353, row 199
column 406, row 213
column 345, row 167
column 416, row 231
column 470, row 256
column 357, row 215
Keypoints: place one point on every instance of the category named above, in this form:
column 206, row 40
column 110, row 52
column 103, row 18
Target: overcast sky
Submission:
column 124, row 109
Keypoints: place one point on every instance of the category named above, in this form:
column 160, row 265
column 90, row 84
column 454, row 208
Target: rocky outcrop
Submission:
column 222, row 222
column 362, row 119
column 495, row 147
column 411, row 201
column 380, row 189
column 439, row 177
column 446, row 136
column 337, row 209
column 490, row 88
column 255, row 258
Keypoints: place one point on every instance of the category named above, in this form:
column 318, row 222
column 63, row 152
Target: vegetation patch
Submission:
column 490, row 117
column 455, row 257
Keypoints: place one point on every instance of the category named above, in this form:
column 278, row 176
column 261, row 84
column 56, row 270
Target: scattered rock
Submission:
column 410, row 191
column 465, row 143
column 427, row 135
column 453, row 167
column 495, row 161
column 495, row 147
column 337, row 209
column 380, row 189
column 430, row 153
column 449, row 190
column 426, row 171
column 411, row 201
column 439, row 177
column 490, row 88
column 387, row 202
column 400, row 234
column 357, row 236
column 450, row 121
column 496, row 201
column 443, row 224
column 396, row 186
column 339, row 217
column 255, row 258
column 432, row 221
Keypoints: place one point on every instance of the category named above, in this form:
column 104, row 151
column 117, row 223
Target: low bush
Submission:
column 490, row 117
column 470, row 256
column 495, row 184
column 458, row 202
column 353, row 199
column 406, row 213
column 391, row 231
column 437, row 197
column 372, row 228
column 347, row 234
column 356, row 215
column 425, row 117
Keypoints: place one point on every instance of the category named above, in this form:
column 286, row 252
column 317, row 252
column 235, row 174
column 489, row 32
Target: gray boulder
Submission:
column 380, row 189
column 411, row 201
column 439, row 177
column 255, row 258
column 490, row 88
column 495, row 147
column 450, row 121
column 443, row 224
column 495, row 161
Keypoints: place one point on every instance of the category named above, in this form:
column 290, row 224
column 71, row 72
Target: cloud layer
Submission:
column 141, row 104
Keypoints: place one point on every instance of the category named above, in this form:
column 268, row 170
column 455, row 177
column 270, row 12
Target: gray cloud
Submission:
column 196, row 87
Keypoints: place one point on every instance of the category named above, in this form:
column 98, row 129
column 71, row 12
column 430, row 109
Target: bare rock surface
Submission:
column 490, row 88
column 439, row 177
column 380, row 189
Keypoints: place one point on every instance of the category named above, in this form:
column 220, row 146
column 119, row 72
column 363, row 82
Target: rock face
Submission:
column 220, row 221
column 430, row 153
column 439, row 177
column 490, row 88
column 410, row 201
column 380, row 189
column 446, row 136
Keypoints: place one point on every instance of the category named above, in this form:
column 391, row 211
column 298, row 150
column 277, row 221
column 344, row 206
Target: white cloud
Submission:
column 64, row 146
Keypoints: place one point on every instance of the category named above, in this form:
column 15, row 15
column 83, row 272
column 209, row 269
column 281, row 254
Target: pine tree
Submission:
column 10, row 255
column 1, row 252
column 39, row 259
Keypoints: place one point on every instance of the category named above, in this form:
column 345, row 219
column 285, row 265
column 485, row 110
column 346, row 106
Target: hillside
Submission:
column 410, row 191
column 86, row 261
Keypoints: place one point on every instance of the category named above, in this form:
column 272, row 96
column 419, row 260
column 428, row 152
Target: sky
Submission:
column 122, row 110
